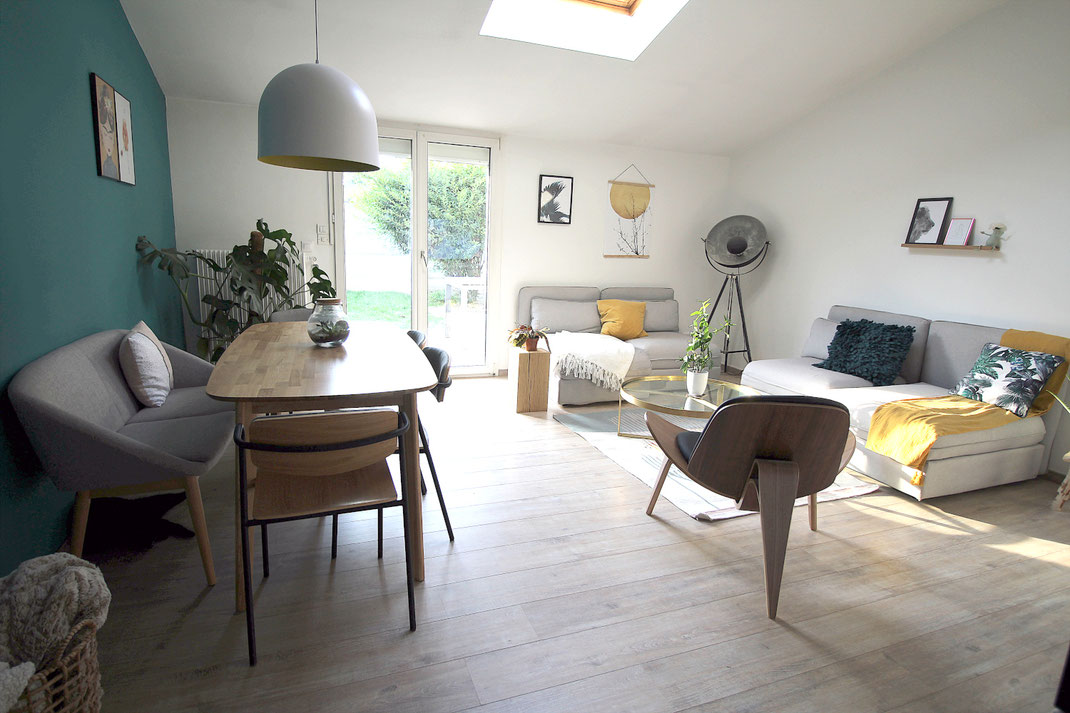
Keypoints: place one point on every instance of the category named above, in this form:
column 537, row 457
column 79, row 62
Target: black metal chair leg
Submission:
column 247, row 569
column 264, row 549
column 380, row 533
column 434, row 478
column 423, row 483
column 334, row 537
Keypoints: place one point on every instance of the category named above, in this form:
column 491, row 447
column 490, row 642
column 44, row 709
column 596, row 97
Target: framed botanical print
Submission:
column 124, row 137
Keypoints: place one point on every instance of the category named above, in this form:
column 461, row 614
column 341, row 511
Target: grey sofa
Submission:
column 94, row 438
column 942, row 353
column 574, row 309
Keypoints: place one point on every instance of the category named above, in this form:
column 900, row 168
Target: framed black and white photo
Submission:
column 958, row 231
column 555, row 199
column 929, row 221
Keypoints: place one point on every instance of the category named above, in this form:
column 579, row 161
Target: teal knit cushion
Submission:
column 873, row 351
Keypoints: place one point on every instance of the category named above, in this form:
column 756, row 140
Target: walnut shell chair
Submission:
column 763, row 452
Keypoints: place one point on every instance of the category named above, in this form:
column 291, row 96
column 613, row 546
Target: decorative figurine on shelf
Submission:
column 995, row 235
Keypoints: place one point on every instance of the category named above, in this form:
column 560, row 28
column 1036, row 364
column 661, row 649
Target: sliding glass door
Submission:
column 416, row 242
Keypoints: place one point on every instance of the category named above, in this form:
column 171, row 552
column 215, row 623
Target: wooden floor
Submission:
column 560, row 594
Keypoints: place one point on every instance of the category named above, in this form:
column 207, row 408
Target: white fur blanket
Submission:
column 602, row 359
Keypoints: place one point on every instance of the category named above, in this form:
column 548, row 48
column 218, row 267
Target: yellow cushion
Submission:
column 622, row 319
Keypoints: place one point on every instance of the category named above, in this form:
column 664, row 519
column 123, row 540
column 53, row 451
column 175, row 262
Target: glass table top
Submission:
column 668, row 394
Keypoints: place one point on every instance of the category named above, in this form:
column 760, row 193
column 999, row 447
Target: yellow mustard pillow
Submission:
column 622, row 319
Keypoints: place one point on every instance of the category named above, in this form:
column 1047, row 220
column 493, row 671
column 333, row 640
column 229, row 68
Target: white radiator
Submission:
column 203, row 282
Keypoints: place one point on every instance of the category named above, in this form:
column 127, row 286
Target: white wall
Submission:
column 686, row 193
column 220, row 189
column 982, row 115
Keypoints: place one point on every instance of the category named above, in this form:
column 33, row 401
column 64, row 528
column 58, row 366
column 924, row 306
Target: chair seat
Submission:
column 687, row 441
column 275, row 495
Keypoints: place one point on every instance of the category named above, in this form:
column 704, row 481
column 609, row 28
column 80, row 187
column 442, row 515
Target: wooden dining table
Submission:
column 275, row 367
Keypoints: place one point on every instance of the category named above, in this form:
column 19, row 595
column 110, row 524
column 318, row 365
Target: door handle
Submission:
column 423, row 256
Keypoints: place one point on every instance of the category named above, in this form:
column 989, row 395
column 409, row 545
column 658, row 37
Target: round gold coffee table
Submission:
column 668, row 394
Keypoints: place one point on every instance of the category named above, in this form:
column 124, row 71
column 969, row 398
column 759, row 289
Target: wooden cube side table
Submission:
column 529, row 373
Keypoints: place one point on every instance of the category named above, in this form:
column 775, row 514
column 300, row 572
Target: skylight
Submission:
column 611, row 28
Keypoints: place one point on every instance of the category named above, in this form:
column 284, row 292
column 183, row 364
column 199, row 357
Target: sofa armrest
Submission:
column 190, row 370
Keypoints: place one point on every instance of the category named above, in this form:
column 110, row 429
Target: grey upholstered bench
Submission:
column 94, row 438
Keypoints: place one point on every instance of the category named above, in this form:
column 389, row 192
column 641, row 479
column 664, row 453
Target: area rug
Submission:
column 643, row 459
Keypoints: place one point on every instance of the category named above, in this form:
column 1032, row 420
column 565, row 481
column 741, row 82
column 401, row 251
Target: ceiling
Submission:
column 723, row 74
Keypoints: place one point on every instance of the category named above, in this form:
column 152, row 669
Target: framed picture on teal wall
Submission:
column 113, row 131
column 124, row 137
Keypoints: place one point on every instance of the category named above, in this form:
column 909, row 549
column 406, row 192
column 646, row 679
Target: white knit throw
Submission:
column 600, row 358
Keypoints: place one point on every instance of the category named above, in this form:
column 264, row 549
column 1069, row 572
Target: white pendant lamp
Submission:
column 315, row 117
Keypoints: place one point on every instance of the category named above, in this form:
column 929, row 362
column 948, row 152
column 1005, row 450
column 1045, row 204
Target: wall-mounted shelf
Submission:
column 947, row 247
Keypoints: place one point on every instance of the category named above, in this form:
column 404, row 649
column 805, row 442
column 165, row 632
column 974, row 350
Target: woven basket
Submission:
column 72, row 685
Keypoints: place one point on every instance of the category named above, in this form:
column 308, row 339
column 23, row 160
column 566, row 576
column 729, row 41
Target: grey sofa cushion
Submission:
column 911, row 370
column 564, row 315
column 665, row 349
column 638, row 294
column 527, row 294
column 952, row 349
column 821, row 333
column 662, row 316
column 180, row 403
column 199, row 439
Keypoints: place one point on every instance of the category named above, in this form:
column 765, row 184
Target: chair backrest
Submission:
column 417, row 336
column 299, row 314
column 440, row 362
column 319, row 441
column 807, row 430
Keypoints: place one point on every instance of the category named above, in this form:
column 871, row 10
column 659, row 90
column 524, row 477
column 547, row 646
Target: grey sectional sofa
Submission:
column 942, row 353
column 574, row 309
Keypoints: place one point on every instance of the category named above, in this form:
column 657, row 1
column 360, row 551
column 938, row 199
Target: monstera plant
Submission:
column 250, row 285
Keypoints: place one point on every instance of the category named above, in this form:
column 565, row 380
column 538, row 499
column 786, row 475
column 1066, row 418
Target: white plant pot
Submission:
column 696, row 382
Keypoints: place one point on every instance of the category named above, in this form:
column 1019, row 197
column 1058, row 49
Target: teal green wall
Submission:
column 68, row 264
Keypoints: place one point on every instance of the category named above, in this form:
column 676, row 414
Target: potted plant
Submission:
column 528, row 337
column 698, row 359
column 258, row 279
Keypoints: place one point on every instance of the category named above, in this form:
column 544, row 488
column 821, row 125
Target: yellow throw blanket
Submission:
column 905, row 431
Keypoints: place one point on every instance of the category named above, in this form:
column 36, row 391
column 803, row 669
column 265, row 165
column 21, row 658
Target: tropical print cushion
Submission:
column 1008, row 378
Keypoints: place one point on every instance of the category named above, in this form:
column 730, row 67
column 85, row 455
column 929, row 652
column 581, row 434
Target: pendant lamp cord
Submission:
column 316, row 6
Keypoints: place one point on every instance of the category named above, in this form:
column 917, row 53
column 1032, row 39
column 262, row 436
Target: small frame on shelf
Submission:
column 958, row 231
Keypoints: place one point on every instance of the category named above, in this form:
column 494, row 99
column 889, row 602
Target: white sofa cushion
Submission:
column 796, row 376
column 665, row 349
column 145, row 367
column 863, row 402
column 564, row 315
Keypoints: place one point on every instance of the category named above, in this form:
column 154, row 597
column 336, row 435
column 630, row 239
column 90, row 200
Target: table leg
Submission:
column 243, row 414
column 410, row 442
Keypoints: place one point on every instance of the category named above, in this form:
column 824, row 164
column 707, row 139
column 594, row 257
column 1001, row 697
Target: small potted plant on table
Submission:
column 528, row 337
column 698, row 359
